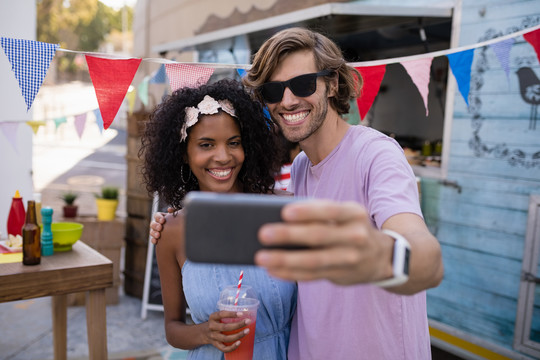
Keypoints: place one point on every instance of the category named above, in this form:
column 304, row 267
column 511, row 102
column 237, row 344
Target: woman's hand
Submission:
column 216, row 329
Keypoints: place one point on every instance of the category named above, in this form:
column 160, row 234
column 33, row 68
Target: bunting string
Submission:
column 112, row 75
column 353, row 64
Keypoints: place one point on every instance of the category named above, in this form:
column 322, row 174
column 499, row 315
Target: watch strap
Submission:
column 400, row 261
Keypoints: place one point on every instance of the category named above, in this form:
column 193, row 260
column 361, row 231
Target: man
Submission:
column 367, row 232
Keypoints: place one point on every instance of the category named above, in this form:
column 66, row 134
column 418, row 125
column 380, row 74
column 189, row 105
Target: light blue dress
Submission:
column 202, row 284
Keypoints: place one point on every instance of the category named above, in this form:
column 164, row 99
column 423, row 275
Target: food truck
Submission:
column 473, row 141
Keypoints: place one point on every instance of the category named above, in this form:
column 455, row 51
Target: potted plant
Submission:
column 107, row 202
column 70, row 209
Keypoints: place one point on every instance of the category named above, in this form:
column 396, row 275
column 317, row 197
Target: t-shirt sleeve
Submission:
column 391, row 183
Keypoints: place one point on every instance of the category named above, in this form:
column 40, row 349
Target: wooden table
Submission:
column 82, row 269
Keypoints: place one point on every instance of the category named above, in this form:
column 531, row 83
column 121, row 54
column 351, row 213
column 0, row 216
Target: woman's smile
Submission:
column 221, row 174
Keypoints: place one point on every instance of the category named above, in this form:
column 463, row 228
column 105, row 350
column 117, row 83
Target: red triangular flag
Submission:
column 111, row 79
column 533, row 38
column 372, row 76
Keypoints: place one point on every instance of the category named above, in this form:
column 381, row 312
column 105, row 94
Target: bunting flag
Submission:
column 419, row 71
column 165, row 94
column 142, row 91
column 266, row 113
column 111, row 80
column 372, row 77
column 99, row 120
column 160, row 77
column 9, row 129
column 182, row 75
column 502, row 52
column 460, row 64
column 131, row 97
column 241, row 72
column 35, row 124
column 59, row 121
column 30, row 61
column 80, row 121
column 533, row 38
column 111, row 76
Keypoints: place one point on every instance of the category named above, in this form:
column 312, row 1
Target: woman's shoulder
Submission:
column 174, row 226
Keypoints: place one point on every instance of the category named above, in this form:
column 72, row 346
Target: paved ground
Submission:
column 26, row 332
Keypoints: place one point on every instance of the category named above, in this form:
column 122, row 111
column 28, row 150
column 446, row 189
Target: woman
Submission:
column 213, row 138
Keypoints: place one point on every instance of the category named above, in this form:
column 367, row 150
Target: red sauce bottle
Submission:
column 16, row 216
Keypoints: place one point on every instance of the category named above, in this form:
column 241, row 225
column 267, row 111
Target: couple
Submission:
column 355, row 299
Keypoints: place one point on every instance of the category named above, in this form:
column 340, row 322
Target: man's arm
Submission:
column 156, row 226
column 346, row 249
column 426, row 266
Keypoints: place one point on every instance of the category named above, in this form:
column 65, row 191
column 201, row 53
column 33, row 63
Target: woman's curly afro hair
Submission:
column 164, row 156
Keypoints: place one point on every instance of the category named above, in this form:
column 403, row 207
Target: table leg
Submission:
column 96, row 324
column 59, row 321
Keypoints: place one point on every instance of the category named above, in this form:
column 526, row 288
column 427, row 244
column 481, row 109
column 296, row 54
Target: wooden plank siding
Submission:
column 481, row 224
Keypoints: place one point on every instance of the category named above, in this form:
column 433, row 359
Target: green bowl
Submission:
column 65, row 234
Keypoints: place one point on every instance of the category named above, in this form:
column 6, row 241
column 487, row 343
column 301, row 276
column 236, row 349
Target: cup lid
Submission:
column 228, row 294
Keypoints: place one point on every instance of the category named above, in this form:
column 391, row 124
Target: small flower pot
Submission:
column 106, row 209
column 70, row 211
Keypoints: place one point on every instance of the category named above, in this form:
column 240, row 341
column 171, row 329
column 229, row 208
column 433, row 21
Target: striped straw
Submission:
column 239, row 286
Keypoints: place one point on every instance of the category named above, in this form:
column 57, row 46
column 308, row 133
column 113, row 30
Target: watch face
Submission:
column 406, row 262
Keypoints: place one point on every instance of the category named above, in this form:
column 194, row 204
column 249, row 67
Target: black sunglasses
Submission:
column 302, row 86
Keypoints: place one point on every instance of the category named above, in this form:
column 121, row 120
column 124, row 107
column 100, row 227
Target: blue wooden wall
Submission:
column 495, row 159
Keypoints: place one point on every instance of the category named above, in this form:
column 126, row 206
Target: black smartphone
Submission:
column 222, row 227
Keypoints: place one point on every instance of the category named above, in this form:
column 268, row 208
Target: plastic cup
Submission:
column 247, row 305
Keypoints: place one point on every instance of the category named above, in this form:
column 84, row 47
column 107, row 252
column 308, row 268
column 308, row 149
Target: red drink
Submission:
column 245, row 350
column 244, row 301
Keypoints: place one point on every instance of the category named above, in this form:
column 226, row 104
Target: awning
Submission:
column 335, row 18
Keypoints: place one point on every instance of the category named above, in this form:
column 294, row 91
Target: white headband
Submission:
column 207, row 106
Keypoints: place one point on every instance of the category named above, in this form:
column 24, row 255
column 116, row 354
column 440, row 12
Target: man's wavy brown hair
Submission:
column 327, row 56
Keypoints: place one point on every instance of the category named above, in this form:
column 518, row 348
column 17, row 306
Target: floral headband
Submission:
column 207, row 106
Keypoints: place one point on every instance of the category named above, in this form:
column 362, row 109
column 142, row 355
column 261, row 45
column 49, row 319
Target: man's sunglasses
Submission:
column 301, row 86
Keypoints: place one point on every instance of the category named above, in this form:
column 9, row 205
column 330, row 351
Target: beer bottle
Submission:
column 31, row 236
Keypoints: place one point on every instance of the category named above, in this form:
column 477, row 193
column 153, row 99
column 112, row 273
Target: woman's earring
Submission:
column 182, row 175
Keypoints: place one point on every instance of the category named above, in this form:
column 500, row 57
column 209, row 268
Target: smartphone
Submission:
column 222, row 227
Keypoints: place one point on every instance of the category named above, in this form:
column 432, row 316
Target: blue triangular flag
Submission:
column 30, row 61
column 160, row 77
column 99, row 119
column 266, row 113
column 241, row 72
column 502, row 51
column 461, row 63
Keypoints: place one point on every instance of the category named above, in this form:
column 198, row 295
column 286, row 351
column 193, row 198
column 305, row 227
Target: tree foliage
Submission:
column 78, row 24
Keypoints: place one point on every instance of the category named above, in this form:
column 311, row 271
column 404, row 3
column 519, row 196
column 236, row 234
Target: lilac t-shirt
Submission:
column 361, row 321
